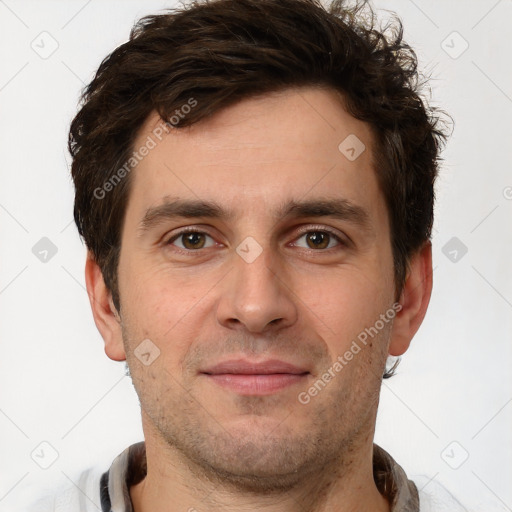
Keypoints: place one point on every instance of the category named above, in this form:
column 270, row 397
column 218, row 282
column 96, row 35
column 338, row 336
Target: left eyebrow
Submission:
column 337, row 208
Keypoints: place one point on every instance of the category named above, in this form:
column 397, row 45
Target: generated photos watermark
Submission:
column 304, row 397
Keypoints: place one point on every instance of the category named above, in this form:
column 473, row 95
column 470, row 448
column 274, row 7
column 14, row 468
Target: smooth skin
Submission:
column 318, row 282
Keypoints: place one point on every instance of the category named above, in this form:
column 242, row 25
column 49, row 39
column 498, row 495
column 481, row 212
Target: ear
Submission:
column 414, row 300
column 106, row 317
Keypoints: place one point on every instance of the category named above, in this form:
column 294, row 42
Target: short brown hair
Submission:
column 222, row 51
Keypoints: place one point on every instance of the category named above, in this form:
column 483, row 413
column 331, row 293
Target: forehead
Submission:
column 291, row 145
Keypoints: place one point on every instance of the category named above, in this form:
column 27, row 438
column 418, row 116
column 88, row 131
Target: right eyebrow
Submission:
column 186, row 208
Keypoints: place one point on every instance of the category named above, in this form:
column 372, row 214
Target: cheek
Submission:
column 157, row 297
column 170, row 311
column 341, row 303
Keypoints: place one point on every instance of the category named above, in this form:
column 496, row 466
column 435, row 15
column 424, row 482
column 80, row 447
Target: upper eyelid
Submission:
column 191, row 229
column 331, row 231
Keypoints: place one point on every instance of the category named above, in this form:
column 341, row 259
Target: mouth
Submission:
column 255, row 378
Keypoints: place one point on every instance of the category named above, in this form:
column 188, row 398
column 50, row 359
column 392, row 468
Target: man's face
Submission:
column 264, row 282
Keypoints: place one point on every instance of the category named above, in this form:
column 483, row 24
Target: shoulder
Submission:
column 434, row 497
column 81, row 496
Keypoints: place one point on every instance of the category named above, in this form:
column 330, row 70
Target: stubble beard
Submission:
column 249, row 456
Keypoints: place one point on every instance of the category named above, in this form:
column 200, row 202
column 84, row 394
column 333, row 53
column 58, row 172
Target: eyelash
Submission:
column 311, row 229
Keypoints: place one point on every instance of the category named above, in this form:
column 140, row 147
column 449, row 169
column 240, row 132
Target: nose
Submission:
column 255, row 296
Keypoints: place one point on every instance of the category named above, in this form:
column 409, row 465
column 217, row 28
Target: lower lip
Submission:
column 256, row 384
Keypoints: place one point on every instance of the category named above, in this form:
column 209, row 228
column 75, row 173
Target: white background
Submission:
column 58, row 386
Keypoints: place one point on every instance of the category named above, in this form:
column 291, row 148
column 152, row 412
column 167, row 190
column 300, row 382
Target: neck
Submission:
column 174, row 483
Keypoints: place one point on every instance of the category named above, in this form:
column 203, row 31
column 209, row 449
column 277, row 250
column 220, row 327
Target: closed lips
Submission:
column 242, row 367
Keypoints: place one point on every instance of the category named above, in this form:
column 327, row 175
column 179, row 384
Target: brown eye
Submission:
column 320, row 240
column 190, row 240
column 317, row 240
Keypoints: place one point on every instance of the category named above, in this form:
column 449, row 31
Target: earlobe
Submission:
column 106, row 317
column 414, row 300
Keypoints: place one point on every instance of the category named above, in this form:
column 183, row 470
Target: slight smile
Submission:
column 250, row 378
